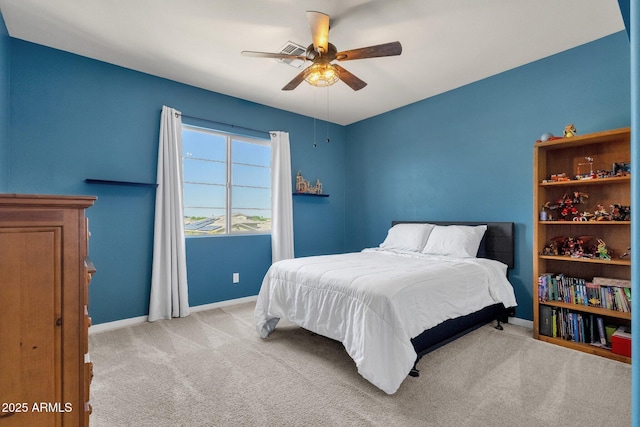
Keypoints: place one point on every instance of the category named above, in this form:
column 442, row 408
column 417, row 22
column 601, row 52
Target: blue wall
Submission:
column 468, row 154
column 75, row 118
column 5, row 94
column 462, row 155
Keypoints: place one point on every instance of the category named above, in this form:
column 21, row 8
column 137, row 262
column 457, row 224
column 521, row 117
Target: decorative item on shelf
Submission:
column 570, row 130
column 557, row 177
column 620, row 213
column 543, row 214
column 602, row 251
column 574, row 247
column 591, row 174
column 626, row 254
column 552, row 247
column 601, row 214
column 548, row 136
column 584, row 216
column 621, row 168
column 577, row 247
column 303, row 186
column 566, row 211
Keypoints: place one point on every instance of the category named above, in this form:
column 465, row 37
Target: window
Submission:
column 227, row 183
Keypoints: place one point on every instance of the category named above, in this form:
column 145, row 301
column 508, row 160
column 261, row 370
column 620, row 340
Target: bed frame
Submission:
column 498, row 244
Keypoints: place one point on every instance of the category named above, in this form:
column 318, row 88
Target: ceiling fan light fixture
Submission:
column 321, row 74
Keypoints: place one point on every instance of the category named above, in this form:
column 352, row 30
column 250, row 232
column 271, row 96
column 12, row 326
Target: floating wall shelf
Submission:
column 127, row 183
column 310, row 194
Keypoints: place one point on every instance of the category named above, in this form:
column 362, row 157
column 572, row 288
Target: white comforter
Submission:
column 375, row 301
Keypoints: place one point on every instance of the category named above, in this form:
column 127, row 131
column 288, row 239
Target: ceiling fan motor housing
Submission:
column 322, row 57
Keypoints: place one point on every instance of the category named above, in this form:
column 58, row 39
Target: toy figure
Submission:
column 550, row 249
column 569, row 130
column 601, row 213
column 603, row 252
column 584, row 216
column 627, row 253
column 620, row 213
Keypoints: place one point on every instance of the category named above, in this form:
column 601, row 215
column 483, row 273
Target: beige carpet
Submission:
column 212, row 369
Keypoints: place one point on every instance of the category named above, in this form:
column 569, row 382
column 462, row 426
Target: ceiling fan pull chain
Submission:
column 315, row 113
column 327, row 119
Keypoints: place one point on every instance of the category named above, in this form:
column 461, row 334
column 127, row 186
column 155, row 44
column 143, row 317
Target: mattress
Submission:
column 376, row 301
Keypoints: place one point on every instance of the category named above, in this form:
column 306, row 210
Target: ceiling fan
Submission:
column 322, row 72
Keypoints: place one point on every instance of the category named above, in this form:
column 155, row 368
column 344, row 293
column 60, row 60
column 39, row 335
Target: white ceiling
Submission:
column 446, row 44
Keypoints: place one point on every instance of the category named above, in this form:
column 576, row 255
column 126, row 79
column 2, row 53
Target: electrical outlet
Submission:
column 236, row 277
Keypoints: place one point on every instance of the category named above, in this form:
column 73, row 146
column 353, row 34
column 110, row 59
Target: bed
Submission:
column 425, row 285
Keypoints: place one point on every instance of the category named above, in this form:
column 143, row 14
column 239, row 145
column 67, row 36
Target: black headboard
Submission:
column 497, row 242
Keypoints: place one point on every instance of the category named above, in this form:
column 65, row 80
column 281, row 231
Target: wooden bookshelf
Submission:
column 570, row 156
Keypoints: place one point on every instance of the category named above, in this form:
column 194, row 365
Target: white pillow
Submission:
column 407, row 237
column 455, row 240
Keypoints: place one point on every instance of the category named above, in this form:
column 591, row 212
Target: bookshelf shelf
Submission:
column 587, row 260
column 584, row 223
column 582, row 182
column 567, row 156
column 586, row 348
column 586, row 309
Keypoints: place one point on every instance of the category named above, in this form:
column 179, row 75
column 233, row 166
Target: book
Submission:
column 607, row 281
column 542, row 288
column 601, row 332
column 546, row 314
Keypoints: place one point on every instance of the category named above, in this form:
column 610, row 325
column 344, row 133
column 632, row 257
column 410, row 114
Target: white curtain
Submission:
column 169, row 272
column 281, row 197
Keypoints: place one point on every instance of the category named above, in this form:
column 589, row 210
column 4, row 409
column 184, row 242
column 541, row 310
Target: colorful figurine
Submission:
column 570, row 130
column 603, row 252
column 620, row 213
column 601, row 213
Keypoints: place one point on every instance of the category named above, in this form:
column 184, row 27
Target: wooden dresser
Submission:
column 45, row 370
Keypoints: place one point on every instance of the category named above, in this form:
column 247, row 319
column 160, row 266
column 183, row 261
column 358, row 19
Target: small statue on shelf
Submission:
column 626, row 254
column 570, row 130
column 601, row 213
column 550, row 249
column 303, row 185
column 603, row 251
column 565, row 206
column 584, row 216
column 620, row 213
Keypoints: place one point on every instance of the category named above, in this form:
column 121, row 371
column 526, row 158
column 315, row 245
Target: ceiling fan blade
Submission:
column 272, row 55
column 351, row 80
column 319, row 23
column 386, row 49
column 295, row 82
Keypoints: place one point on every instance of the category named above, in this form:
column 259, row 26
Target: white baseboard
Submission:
column 117, row 324
column 220, row 304
column 109, row 326
column 521, row 322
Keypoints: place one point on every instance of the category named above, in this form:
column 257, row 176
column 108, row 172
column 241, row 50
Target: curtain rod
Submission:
column 224, row 124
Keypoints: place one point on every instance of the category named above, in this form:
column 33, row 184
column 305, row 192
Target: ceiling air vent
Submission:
column 291, row 48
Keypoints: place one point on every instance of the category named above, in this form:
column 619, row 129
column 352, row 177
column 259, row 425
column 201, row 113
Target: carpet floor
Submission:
column 212, row 369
